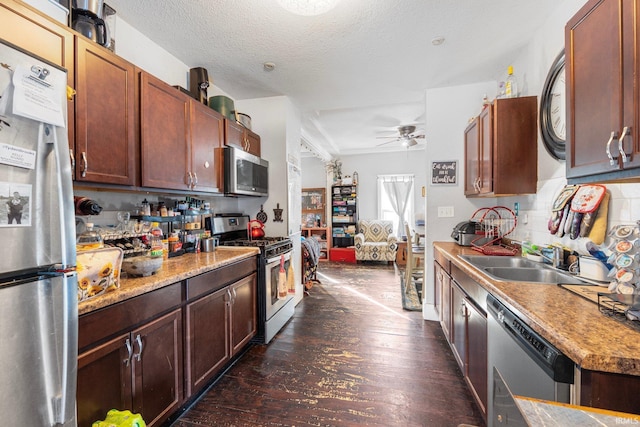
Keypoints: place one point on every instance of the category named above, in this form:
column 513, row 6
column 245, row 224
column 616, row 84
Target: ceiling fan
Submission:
column 406, row 136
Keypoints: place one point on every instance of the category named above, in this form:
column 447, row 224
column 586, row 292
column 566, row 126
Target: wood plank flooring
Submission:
column 350, row 357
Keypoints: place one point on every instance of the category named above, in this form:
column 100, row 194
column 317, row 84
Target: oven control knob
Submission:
column 501, row 316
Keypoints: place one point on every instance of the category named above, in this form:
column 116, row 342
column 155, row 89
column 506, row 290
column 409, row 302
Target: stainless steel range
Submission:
column 273, row 311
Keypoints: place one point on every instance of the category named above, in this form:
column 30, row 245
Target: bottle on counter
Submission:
column 146, row 208
column 511, row 84
column 157, row 247
column 89, row 239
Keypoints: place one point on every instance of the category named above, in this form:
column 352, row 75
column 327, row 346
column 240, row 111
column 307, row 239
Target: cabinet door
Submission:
column 234, row 134
column 253, row 142
column 438, row 274
column 486, row 151
column 104, row 380
column 207, row 136
column 458, row 325
column 157, row 368
column 477, row 354
column 445, row 317
column 243, row 312
column 105, row 116
column 596, row 74
column 207, row 339
column 164, row 127
column 49, row 40
column 472, row 156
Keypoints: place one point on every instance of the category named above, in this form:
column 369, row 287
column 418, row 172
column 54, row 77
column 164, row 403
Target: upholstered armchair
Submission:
column 375, row 241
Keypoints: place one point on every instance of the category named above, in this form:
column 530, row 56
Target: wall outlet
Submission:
column 445, row 212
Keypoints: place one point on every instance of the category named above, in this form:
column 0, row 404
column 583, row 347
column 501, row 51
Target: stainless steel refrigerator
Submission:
column 38, row 287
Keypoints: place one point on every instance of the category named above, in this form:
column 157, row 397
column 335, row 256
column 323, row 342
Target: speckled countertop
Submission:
column 571, row 323
column 173, row 270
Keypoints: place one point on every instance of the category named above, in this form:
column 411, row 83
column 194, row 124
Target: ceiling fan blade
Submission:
column 417, row 136
column 385, row 143
column 380, row 137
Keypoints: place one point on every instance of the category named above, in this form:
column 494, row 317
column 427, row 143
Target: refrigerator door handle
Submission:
column 138, row 355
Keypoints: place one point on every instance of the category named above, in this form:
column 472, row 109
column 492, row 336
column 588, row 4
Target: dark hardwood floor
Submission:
column 351, row 356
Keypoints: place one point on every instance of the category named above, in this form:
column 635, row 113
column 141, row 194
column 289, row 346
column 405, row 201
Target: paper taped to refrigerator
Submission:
column 38, row 94
column 17, row 156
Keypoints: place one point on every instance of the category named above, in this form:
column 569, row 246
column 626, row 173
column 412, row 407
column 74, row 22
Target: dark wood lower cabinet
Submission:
column 132, row 352
column 458, row 326
column 140, row 371
column 104, row 380
column 464, row 323
column 243, row 312
column 157, row 368
column 207, row 339
column 219, row 325
column 477, row 354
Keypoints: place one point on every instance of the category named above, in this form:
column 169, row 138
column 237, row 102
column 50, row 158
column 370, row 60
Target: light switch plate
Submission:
column 445, row 211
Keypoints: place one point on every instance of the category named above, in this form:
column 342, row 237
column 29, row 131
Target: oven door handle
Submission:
column 276, row 259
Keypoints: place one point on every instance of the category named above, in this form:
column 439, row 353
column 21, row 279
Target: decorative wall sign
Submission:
column 444, row 172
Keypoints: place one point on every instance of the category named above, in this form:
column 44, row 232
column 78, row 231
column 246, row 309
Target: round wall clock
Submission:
column 553, row 110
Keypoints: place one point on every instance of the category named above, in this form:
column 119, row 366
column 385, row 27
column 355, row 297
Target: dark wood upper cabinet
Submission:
column 207, row 139
column 601, row 42
column 240, row 137
column 164, row 129
column 105, row 146
column 501, row 155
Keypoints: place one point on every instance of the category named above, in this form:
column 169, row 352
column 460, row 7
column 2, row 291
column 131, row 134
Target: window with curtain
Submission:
column 395, row 200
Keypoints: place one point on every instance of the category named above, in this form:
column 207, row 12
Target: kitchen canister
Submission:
column 209, row 244
column 223, row 105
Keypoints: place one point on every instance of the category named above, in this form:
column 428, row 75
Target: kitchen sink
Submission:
column 518, row 269
column 481, row 261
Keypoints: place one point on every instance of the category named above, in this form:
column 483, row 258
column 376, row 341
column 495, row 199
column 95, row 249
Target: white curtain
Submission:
column 399, row 191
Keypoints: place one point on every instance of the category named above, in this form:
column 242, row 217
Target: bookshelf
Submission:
column 344, row 214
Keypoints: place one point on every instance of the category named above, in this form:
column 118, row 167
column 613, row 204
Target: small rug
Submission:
column 410, row 298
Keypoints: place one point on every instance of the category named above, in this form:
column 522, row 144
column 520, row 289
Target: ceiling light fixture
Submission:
column 308, row 7
column 437, row 41
column 269, row 66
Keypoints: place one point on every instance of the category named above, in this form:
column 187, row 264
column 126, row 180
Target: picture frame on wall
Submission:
column 444, row 172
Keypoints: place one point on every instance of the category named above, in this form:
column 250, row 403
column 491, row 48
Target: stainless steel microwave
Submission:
column 244, row 173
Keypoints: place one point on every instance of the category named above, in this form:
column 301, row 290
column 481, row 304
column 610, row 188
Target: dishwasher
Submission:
column 529, row 365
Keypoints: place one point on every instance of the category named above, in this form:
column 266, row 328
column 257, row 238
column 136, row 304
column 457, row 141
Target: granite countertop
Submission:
column 571, row 323
column 173, row 270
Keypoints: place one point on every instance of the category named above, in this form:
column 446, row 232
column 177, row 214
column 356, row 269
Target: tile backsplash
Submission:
column 624, row 208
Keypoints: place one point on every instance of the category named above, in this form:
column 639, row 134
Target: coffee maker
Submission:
column 87, row 19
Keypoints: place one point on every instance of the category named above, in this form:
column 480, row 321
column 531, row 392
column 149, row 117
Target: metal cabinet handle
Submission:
column 195, row 180
column 235, row 295
column 626, row 131
column 73, row 159
column 85, row 164
column 138, row 355
column 127, row 344
column 463, row 308
column 189, row 179
column 612, row 160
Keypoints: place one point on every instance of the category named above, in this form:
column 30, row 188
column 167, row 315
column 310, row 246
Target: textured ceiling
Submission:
column 356, row 72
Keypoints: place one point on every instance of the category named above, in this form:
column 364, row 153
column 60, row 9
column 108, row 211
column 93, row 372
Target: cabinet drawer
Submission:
column 442, row 260
column 219, row 278
column 476, row 293
column 101, row 324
